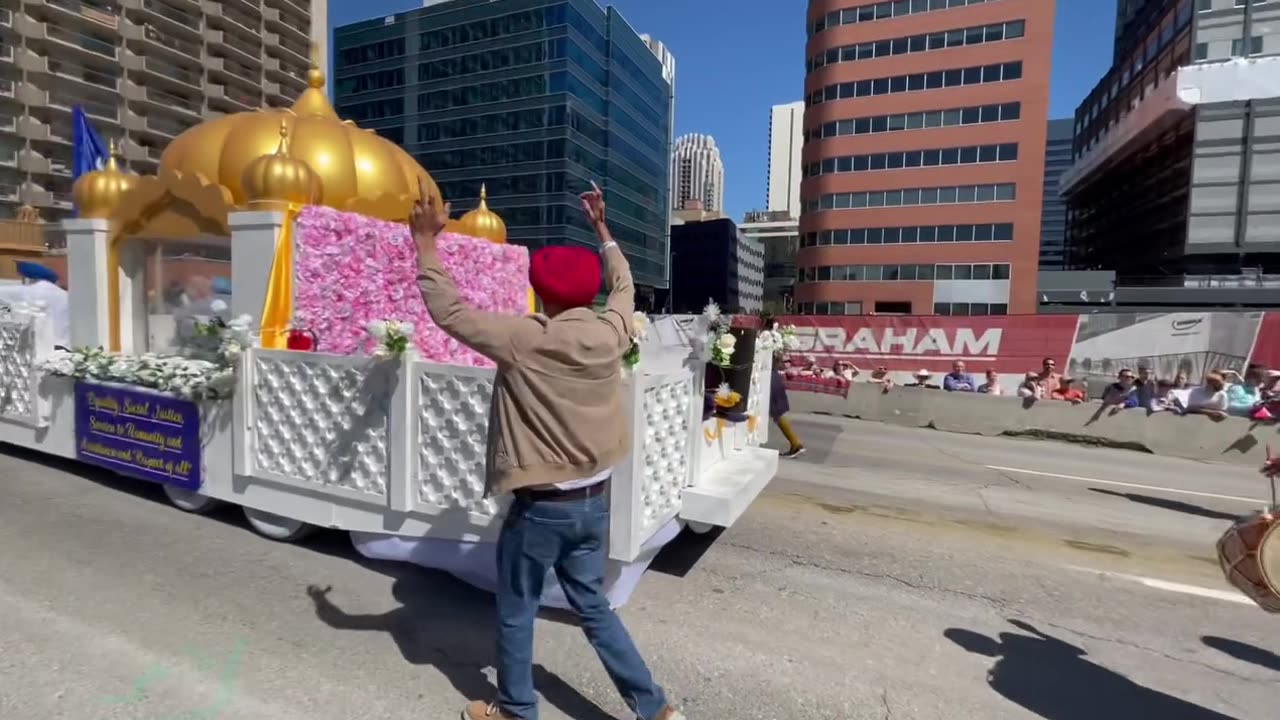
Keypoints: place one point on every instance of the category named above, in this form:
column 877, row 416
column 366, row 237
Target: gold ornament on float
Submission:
column 98, row 193
column 358, row 170
column 483, row 222
column 279, row 180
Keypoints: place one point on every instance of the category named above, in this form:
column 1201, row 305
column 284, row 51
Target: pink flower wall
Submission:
column 350, row 270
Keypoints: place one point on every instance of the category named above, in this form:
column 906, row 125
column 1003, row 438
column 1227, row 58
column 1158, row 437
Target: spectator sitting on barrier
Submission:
column 1146, row 390
column 1180, row 382
column 992, row 385
column 880, row 376
column 847, row 371
column 810, row 368
column 1066, row 392
column 1244, row 393
column 922, row 381
column 1048, row 376
column 1210, row 397
column 1032, row 387
column 1122, row 393
column 958, row 380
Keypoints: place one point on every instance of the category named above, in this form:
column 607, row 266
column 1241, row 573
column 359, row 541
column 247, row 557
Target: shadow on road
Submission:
column 1244, row 651
column 1054, row 680
column 1165, row 503
column 448, row 624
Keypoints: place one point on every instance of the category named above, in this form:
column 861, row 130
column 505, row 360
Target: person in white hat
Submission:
column 922, row 377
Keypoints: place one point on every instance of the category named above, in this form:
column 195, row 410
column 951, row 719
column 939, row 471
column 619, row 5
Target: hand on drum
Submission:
column 427, row 220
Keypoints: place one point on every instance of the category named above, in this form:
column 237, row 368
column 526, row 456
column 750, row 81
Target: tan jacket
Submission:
column 558, row 411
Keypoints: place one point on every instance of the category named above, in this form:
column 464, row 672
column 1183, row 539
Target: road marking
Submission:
column 1156, row 584
column 1196, row 493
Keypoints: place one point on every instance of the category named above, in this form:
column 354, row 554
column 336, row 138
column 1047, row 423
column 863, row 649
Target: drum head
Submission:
column 1269, row 558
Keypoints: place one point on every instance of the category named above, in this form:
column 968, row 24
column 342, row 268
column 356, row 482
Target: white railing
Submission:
column 406, row 437
column 26, row 341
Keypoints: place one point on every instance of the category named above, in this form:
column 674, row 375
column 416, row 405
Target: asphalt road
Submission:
column 888, row 573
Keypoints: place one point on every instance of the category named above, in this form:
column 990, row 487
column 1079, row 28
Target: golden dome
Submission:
column 358, row 170
column 279, row 179
column 97, row 193
column 483, row 222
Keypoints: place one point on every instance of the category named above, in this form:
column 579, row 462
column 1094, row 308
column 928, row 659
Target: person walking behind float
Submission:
column 558, row 425
column 779, row 403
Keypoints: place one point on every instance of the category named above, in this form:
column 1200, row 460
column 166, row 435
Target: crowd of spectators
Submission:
column 1222, row 393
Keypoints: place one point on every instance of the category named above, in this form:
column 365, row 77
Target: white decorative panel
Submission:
column 758, row 397
column 23, row 333
column 322, row 421
column 665, row 462
column 452, row 416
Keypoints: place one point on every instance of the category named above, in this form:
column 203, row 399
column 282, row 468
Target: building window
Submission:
column 965, row 309
column 1255, row 46
column 924, row 42
column 830, row 308
column 912, row 159
column 914, row 235
column 1241, row 3
column 1202, row 52
column 973, row 271
column 917, row 82
column 911, row 197
column 885, row 10
column 904, row 273
column 924, row 120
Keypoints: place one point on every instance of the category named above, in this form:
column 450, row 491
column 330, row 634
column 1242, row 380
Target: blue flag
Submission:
column 87, row 151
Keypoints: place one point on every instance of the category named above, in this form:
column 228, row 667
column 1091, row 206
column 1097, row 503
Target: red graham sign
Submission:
column 1009, row 344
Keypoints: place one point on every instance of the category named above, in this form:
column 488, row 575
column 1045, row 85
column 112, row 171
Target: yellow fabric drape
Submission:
column 277, row 308
column 533, row 302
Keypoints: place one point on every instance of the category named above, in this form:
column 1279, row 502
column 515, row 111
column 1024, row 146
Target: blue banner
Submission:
column 139, row 434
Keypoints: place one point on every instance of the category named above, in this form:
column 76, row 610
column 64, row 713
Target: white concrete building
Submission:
column 697, row 173
column 786, row 136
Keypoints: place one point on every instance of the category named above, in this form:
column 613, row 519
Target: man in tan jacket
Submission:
column 557, row 426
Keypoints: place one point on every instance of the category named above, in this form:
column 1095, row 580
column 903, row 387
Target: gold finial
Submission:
column 111, row 156
column 484, row 193
column 315, row 75
column 283, row 147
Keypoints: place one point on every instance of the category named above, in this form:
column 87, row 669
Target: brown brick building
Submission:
column 924, row 150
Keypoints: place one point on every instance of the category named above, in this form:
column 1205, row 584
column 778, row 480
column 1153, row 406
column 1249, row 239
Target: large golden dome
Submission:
column 97, row 193
column 483, row 222
column 358, row 170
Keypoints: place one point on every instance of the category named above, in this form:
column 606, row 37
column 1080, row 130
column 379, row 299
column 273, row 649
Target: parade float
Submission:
column 318, row 393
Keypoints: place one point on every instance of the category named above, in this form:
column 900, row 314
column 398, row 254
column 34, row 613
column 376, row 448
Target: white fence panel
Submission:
column 26, row 341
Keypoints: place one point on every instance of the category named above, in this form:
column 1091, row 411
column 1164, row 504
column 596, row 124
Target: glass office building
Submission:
column 533, row 98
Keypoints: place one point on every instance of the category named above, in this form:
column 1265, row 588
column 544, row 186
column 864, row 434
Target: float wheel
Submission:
column 190, row 500
column 276, row 527
column 698, row 527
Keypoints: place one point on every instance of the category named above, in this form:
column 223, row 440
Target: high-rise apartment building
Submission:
column 1175, row 185
column 533, row 99
column 144, row 71
column 786, row 140
column 1053, row 211
column 924, row 156
column 697, row 173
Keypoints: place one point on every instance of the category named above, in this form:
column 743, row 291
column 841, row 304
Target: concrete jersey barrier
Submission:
column 1195, row 437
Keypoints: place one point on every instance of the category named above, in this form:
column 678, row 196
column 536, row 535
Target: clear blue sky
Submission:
column 736, row 58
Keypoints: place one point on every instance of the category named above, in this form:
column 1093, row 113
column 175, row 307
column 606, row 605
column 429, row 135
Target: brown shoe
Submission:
column 479, row 710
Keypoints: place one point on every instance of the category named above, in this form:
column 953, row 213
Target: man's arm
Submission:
column 490, row 334
column 621, row 304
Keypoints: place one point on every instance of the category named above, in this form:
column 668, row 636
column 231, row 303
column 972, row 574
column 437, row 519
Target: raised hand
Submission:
column 427, row 219
column 593, row 206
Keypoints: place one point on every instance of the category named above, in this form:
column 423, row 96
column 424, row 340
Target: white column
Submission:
column 253, row 247
column 87, row 281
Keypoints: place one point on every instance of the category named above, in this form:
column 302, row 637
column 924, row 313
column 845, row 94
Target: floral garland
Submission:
column 712, row 342
column 639, row 333
column 778, row 338
column 206, row 372
column 393, row 337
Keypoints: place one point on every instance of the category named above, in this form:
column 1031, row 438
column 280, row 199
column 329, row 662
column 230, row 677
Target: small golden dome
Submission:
column 279, row 179
column 358, row 170
column 97, row 193
column 483, row 222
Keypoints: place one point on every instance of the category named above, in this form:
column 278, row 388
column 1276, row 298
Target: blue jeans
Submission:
column 572, row 537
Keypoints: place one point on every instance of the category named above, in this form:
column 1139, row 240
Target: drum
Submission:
column 1249, row 551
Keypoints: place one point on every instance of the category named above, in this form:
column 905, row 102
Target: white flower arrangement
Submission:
column 393, row 337
column 778, row 338
column 639, row 332
column 712, row 342
column 188, row 377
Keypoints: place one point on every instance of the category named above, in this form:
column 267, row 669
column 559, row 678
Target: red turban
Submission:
column 567, row 276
